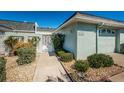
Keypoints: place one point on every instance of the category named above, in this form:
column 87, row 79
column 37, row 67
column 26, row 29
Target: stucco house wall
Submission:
column 106, row 44
column 70, row 43
column 86, row 40
column 121, row 36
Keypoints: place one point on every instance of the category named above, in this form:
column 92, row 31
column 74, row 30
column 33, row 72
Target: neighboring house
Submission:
column 25, row 30
column 88, row 34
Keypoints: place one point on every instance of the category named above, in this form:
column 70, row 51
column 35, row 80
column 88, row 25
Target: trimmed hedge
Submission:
column 81, row 65
column 100, row 60
column 2, row 69
column 66, row 57
column 59, row 53
column 26, row 55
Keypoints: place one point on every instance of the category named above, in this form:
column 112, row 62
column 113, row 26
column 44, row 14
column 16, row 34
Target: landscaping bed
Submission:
column 92, row 74
column 19, row 73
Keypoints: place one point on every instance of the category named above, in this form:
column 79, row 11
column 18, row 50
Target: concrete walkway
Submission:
column 118, row 59
column 48, row 66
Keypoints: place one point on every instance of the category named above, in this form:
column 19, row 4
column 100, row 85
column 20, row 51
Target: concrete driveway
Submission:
column 118, row 59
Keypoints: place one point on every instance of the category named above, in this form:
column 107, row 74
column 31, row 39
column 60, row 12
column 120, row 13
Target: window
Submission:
column 106, row 32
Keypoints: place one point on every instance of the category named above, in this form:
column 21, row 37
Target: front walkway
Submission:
column 118, row 59
column 48, row 66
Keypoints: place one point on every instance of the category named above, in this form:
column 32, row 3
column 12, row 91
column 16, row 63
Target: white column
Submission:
column 97, row 35
column 117, row 46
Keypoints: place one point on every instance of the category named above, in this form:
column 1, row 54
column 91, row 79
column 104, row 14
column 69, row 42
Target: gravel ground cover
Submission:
column 92, row 74
column 16, row 73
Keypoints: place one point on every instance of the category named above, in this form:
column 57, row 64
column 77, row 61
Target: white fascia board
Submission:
column 43, row 32
column 99, row 21
column 66, row 23
column 26, row 31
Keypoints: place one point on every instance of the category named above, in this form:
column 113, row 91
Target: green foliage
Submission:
column 26, row 55
column 34, row 41
column 100, row 60
column 10, row 42
column 81, row 65
column 108, row 61
column 122, row 48
column 59, row 53
column 58, row 40
column 2, row 69
column 66, row 57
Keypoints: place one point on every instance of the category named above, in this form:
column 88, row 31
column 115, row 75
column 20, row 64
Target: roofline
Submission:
column 17, row 21
column 100, row 17
column 66, row 20
column 73, row 15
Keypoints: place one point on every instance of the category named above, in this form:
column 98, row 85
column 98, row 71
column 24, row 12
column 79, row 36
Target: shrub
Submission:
column 66, row 57
column 21, row 44
column 59, row 53
column 122, row 48
column 10, row 43
column 34, row 41
column 2, row 69
column 100, row 60
column 58, row 40
column 26, row 55
column 81, row 65
column 108, row 61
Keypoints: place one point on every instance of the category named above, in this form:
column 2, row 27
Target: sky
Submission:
column 54, row 18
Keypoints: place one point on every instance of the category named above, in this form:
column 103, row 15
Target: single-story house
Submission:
column 85, row 34
column 88, row 34
column 25, row 30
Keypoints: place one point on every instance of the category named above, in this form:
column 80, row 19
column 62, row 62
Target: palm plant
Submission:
column 10, row 43
column 34, row 41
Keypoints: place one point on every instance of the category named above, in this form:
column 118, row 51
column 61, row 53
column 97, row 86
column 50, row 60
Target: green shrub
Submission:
column 66, row 57
column 2, row 69
column 58, row 41
column 81, row 65
column 59, row 53
column 122, row 48
column 100, row 60
column 26, row 55
column 108, row 61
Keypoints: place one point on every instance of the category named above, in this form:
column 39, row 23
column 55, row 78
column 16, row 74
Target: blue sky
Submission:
column 55, row 18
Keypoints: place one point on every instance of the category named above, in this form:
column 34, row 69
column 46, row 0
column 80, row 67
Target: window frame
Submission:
column 106, row 32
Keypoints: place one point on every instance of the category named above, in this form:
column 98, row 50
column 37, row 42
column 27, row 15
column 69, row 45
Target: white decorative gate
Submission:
column 47, row 45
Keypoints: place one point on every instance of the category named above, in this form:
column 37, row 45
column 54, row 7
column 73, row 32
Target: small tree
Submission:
column 10, row 43
column 34, row 41
column 58, row 41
